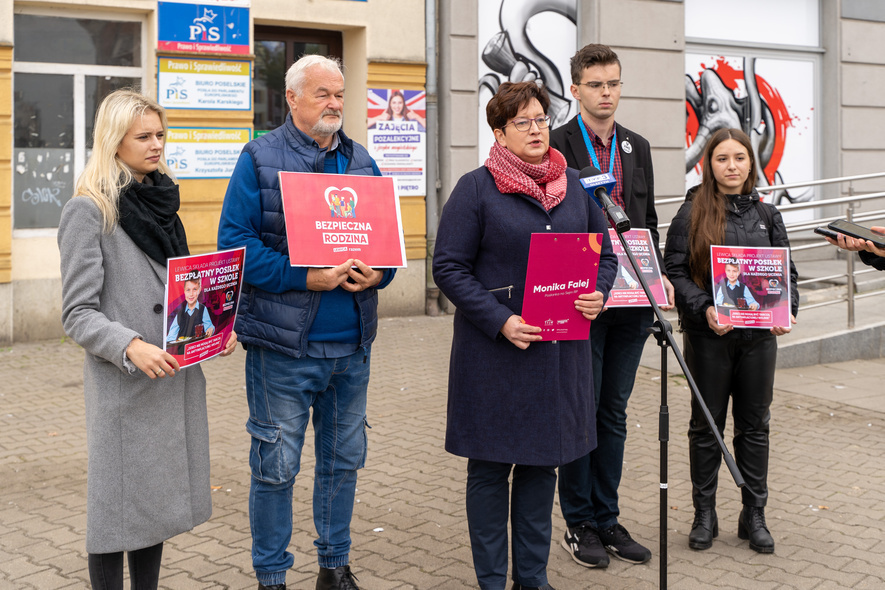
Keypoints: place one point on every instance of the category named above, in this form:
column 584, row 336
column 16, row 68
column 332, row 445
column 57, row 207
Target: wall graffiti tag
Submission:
column 43, row 183
column 518, row 44
column 730, row 92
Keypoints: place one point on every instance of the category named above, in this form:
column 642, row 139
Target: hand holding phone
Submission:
column 857, row 231
column 826, row 232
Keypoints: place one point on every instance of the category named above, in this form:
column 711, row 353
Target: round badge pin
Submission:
column 627, row 147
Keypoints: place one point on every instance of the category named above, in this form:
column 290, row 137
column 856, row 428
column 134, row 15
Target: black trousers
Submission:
column 106, row 569
column 529, row 503
column 741, row 368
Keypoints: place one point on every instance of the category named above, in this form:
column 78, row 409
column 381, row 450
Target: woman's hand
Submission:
column 231, row 345
column 589, row 304
column 520, row 333
column 857, row 245
column 152, row 360
column 780, row 331
column 671, row 294
column 872, row 247
column 714, row 325
column 847, row 243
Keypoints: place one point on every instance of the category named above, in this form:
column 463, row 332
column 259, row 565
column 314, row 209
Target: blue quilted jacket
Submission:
column 276, row 310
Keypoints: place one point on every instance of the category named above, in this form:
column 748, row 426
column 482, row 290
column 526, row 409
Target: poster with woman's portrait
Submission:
column 397, row 136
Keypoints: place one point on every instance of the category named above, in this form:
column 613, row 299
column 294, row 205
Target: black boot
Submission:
column 521, row 587
column 704, row 529
column 273, row 587
column 751, row 525
column 340, row 578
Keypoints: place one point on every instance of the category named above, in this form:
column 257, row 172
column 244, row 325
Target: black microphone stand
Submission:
column 663, row 333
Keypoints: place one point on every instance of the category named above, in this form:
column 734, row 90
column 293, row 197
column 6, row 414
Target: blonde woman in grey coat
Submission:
column 146, row 424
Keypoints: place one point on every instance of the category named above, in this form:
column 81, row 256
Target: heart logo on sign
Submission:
column 341, row 201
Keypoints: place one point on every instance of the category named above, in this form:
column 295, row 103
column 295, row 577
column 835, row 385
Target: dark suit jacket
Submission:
column 639, row 182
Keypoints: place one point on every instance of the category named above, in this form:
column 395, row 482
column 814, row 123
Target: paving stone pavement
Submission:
column 826, row 512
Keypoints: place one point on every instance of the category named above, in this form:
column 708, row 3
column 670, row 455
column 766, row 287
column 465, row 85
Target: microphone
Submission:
column 598, row 186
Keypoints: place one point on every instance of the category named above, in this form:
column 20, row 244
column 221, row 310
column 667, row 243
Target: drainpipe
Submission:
column 431, row 201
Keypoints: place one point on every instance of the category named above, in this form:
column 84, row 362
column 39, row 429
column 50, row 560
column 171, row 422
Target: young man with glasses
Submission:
column 588, row 487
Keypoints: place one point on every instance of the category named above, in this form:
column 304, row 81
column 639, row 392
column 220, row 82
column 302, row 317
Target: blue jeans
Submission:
column 588, row 487
column 530, row 503
column 281, row 390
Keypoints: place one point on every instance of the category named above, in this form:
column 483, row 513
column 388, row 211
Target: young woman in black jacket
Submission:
column 725, row 210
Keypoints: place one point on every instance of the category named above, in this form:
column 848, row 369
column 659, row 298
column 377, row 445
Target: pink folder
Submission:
column 560, row 267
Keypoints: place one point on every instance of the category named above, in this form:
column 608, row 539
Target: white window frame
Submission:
column 79, row 73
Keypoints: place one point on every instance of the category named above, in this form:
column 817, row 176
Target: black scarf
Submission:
column 149, row 215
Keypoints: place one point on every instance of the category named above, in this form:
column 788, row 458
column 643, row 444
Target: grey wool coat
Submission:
column 148, row 440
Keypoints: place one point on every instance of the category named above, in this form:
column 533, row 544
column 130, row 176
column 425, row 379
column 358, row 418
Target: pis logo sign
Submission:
column 202, row 29
column 217, row 27
column 175, row 158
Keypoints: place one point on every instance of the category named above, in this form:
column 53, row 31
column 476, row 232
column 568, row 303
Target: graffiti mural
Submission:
column 524, row 40
column 772, row 101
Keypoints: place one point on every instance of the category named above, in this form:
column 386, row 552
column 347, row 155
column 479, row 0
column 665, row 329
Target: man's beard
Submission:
column 323, row 129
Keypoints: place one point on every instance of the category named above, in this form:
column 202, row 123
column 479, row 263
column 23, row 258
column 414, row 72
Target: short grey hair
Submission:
column 297, row 74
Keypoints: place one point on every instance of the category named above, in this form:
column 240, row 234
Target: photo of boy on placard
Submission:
column 191, row 319
column 732, row 292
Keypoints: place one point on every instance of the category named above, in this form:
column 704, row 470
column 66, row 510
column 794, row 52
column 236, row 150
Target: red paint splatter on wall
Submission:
column 770, row 97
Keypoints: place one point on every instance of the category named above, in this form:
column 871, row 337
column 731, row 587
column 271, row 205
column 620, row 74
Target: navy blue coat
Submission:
column 528, row 407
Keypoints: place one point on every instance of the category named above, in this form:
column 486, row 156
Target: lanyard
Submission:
column 592, row 150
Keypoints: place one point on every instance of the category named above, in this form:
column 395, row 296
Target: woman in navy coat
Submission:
column 515, row 404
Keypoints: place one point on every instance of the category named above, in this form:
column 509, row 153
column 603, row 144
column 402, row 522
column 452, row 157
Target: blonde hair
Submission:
column 105, row 175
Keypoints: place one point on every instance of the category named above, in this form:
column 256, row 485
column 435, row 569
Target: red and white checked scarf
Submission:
column 545, row 182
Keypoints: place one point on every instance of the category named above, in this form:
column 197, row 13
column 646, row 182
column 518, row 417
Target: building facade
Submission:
column 819, row 101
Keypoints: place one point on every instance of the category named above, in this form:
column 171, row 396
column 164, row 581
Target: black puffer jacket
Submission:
column 744, row 226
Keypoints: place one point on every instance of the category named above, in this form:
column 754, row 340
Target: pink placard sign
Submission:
column 202, row 296
column 560, row 267
column 331, row 218
column 751, row 286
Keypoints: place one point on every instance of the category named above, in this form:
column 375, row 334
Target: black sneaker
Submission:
column 619, row 543
column 339, row 578
column 582, row 543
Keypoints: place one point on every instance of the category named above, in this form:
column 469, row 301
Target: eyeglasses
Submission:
column 526, row 124
column 595, row 85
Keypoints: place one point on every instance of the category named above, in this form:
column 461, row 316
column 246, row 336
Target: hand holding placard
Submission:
column 520, row 333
